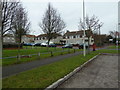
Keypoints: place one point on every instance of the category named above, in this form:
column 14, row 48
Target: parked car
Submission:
column 28, row 44
column 25, row 44
column 81, row 46
column 68, row 46
column 52, row 45
column 38, row 44
column 44, row 44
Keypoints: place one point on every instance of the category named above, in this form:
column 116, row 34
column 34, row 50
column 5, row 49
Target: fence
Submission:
column 39, row 54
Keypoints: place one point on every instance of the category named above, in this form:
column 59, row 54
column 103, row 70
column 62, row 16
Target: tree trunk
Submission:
column 18, row 52
column 19, row 44
column 88, row 45
column 1, row 41
column 48, row 44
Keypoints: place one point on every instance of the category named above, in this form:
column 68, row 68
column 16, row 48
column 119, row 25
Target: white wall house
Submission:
column 9, row 38
column 43, row 38
column 76, row 37
column 28, row 39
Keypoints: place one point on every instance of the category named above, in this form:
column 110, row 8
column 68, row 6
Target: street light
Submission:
column 84, row 49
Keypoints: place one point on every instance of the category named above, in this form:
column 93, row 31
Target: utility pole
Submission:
column 99, row 36
column 117, row 36
column 84, row 48
column 1, row 43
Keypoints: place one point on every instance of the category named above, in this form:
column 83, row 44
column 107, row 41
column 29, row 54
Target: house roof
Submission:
column 30, row 35
column 45, row 35
column 68, row 33
column 42, row 35
column 100, row 36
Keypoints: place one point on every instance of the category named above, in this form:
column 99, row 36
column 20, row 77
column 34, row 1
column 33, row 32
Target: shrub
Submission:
column 11, row 45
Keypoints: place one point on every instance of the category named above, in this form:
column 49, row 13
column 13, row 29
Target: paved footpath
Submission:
column 100, row 73
column 14, row 69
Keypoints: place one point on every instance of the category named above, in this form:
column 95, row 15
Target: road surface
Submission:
column 100, row 73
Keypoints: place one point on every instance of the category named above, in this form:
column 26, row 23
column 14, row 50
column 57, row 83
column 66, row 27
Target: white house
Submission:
column 73, row 37
column 28, row 39
column 42, row 38
column 9, row 38
column 76, row 37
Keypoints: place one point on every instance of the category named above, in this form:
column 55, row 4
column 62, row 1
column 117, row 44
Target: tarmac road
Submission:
column 100, row 73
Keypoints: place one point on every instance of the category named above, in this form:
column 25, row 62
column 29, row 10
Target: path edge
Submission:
column 61, row 80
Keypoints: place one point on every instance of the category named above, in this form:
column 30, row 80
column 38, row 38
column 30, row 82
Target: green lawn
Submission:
column 10, row 61
column 113, row 47
column 44, row 76
column 107, row 51
column 8, row 53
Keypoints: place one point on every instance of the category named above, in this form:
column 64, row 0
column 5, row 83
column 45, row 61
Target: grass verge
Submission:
column 114, row 47
column 45, row 75
column 6, row 62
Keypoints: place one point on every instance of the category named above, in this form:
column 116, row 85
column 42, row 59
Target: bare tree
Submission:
column 20, row 25
column 0, row 35
column 51, row 23
column 92, row 24
column 8, row 12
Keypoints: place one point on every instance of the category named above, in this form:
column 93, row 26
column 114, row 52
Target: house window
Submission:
column 86, row 40
column 80, row 36
column 43, row 38
column 68, row 37
column 37, row 38
column 74, row 37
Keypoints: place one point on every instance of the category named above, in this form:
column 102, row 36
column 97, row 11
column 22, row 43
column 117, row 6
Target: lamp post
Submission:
column 84, row 48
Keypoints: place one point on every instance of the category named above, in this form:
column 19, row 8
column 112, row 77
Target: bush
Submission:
column 11, row 45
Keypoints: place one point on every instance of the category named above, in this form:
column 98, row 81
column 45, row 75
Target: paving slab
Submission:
column 100, row 73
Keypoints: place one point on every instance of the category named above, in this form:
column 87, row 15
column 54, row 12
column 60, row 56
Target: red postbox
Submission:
column 94, row 47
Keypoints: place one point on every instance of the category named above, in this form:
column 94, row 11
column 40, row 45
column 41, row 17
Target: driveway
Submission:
column 100, row 73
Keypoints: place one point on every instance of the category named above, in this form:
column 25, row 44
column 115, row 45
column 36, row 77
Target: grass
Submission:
column 107, row 51
column 45, row 75
column 11, row 61
column 113, row 47
column 14, row 52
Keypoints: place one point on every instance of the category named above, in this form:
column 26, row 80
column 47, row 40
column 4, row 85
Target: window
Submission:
column 37, row 38
column 80, row 36
column 74, row 37
column 86, row 40
column 68, row 37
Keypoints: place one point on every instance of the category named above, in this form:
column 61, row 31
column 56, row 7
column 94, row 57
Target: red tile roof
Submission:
column 30, row 35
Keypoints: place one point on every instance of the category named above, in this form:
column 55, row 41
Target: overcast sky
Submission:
column 71, row 12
